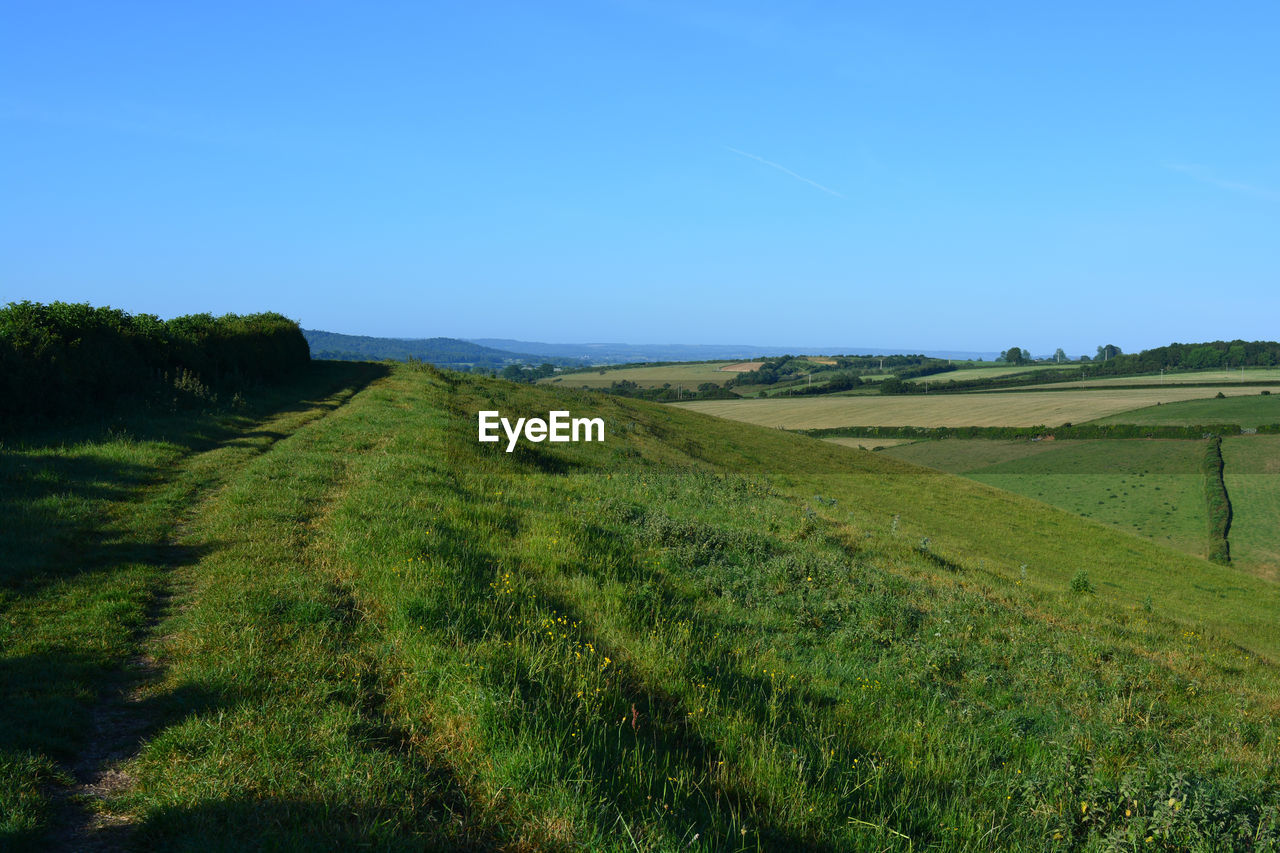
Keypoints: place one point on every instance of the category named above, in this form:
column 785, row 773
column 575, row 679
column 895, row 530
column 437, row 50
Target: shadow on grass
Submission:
column 282, row 824
column 58, row 503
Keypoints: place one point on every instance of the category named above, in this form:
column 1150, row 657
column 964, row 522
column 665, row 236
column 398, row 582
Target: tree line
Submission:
column 66, row 359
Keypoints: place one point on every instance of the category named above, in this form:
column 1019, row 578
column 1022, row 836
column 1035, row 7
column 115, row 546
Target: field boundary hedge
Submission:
column 1217, row 502
column 69, row 359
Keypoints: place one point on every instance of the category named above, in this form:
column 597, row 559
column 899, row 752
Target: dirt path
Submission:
column 125, row 714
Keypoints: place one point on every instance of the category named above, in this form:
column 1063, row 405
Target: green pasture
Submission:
column 1247, row 408
column 1251, row 470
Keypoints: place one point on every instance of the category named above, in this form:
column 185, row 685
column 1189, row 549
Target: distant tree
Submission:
column 1108, row 352
column 1060, row 356
column 1015, row 355
column 1085, row 358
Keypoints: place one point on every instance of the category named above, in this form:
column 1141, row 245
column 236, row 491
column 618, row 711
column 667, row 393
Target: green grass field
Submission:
column 1251, row 470
column 1249, row 409
column 1022, row 408
column 1151, row 488
column 372, row 631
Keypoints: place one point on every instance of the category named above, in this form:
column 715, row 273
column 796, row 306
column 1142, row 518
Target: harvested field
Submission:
column 647, row 376
column 744, row 366
column 868, row 443
column 1024, row 408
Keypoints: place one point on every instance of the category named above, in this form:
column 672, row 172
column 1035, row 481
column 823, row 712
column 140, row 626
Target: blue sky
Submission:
column 921, row 175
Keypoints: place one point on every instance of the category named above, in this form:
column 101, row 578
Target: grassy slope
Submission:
column 1151, row 488
column 392, row 634
column 1250, row 410
column 1251, row 471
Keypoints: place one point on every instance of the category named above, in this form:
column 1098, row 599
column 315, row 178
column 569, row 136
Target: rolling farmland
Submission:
column 1021, row 408
column 699, row 634
column 649, row 376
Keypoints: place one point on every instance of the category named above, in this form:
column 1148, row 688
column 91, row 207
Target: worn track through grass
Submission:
column 123, row 713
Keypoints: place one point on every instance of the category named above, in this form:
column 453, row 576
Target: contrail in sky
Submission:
column 788, row 171
column 1203, row 175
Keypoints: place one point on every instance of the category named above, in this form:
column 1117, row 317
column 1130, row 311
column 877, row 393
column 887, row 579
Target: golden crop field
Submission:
column 1010, row 408
column 688, row 375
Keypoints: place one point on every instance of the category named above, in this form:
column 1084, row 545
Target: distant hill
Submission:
column 615, row 353
column 443, row 352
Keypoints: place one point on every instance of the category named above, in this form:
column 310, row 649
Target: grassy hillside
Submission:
column 369, row 629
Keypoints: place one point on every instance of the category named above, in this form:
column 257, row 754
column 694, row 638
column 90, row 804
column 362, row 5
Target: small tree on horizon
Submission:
column 1015, row 355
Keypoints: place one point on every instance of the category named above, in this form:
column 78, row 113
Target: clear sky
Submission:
column 915, row 174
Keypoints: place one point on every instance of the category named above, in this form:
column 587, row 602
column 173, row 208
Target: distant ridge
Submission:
column 620, row 353
column 444, row 352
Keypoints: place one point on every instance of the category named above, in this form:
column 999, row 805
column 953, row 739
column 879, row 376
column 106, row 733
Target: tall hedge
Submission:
column 68, row 358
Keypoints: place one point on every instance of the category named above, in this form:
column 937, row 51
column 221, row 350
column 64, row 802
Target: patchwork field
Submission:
column 1021, row 408
column 688, row 375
